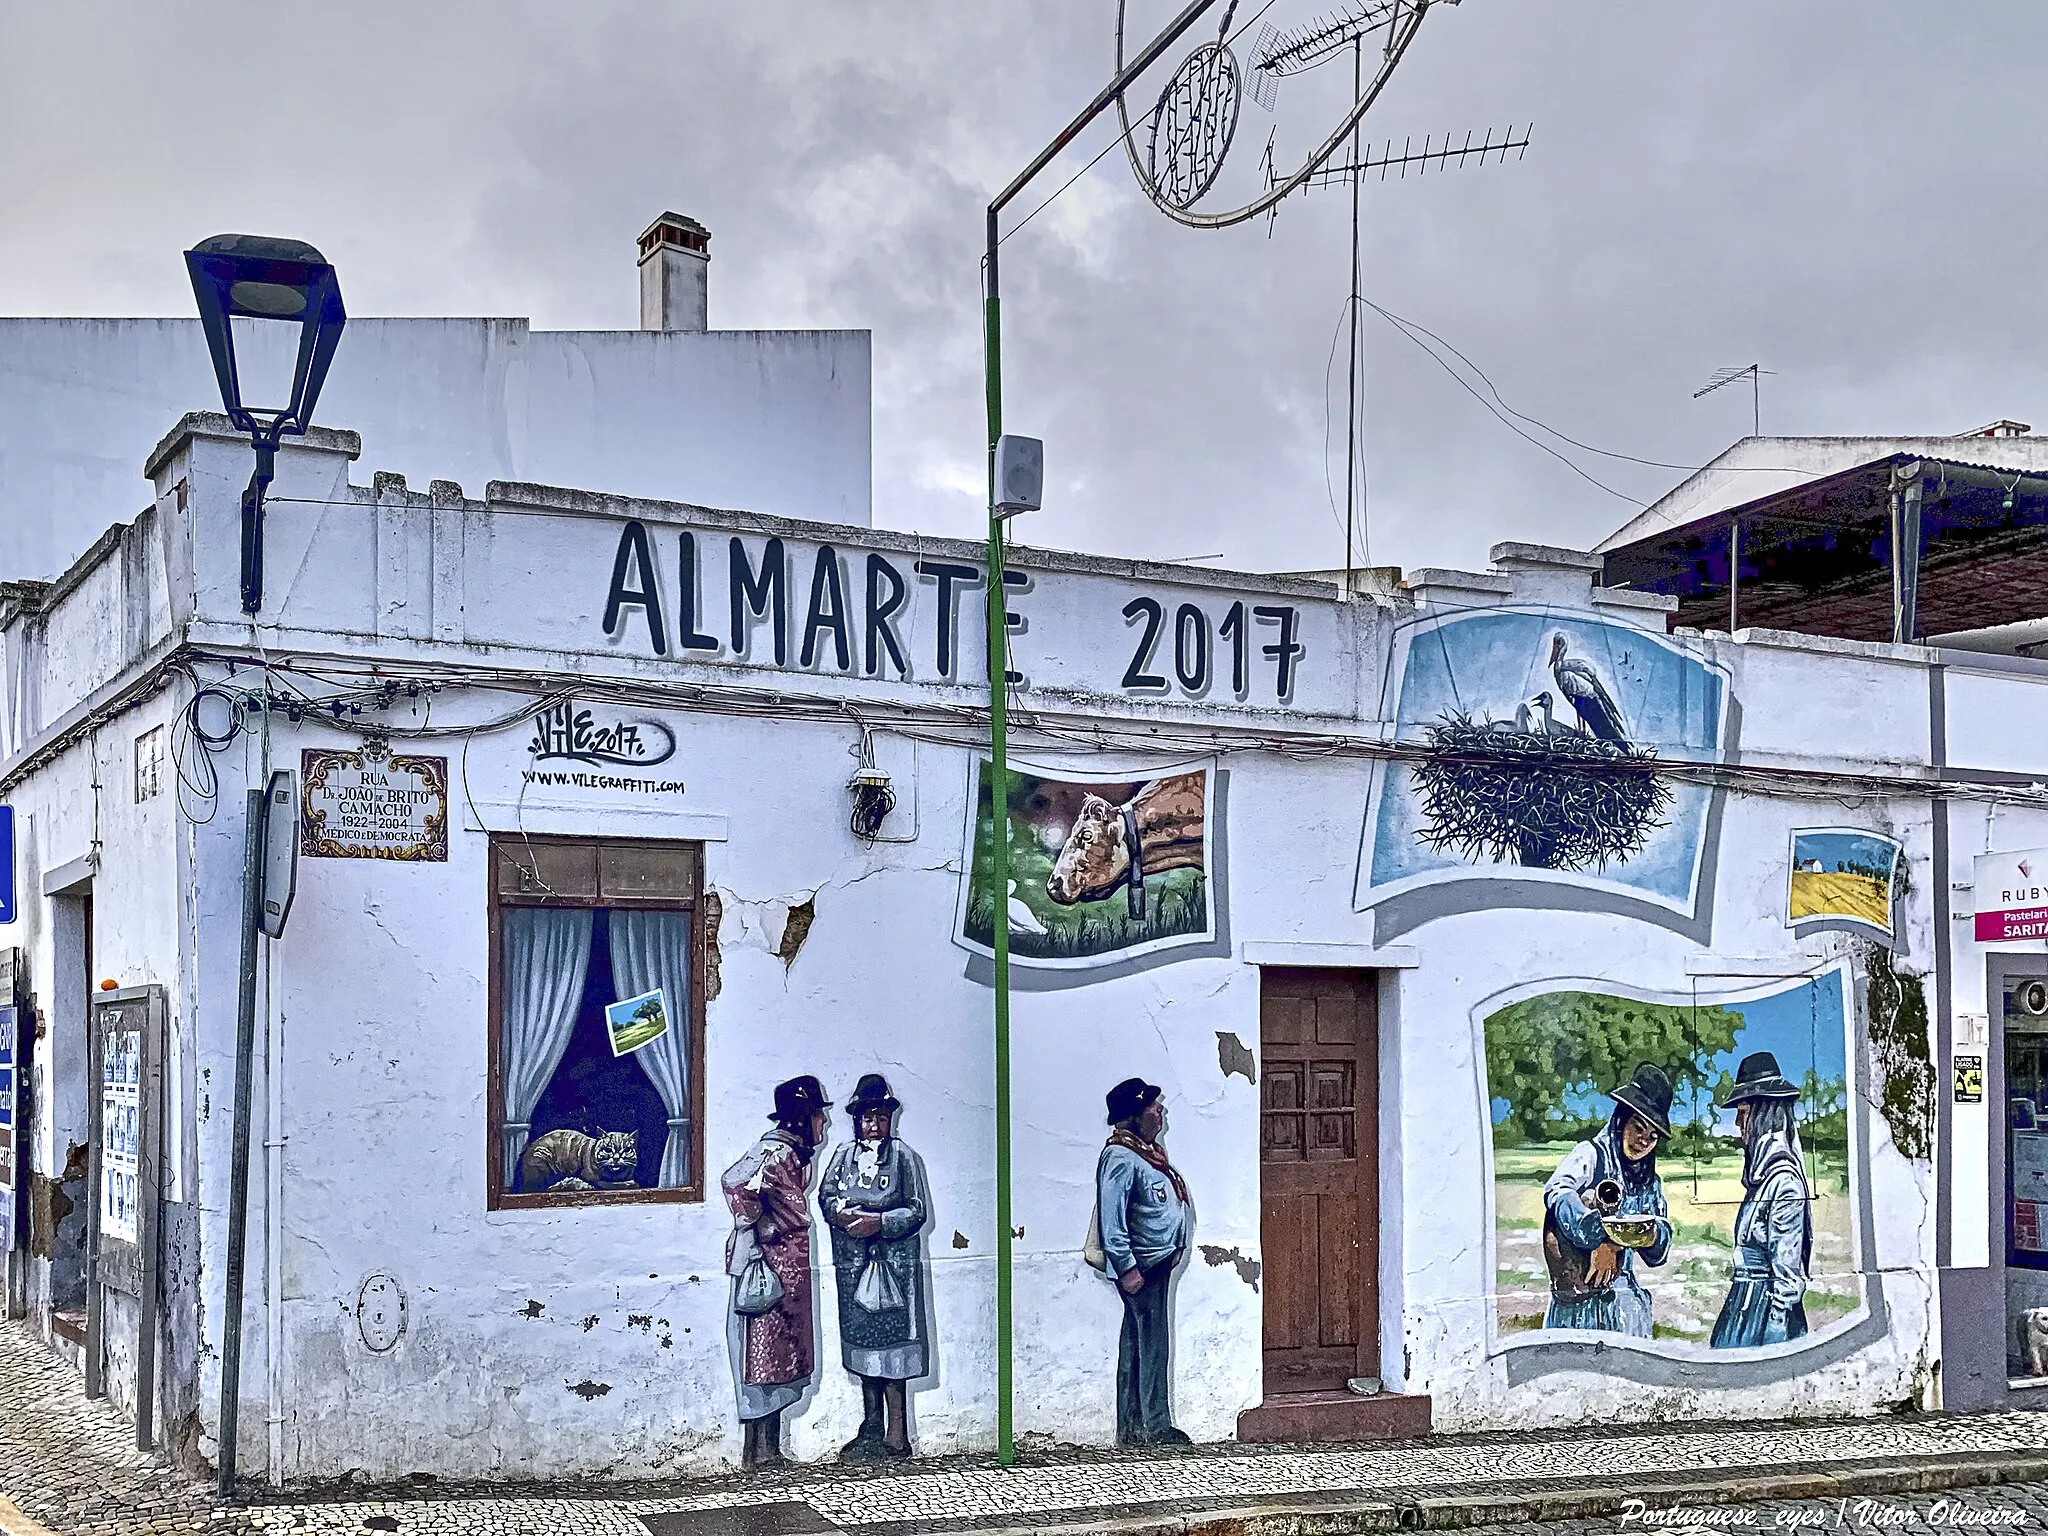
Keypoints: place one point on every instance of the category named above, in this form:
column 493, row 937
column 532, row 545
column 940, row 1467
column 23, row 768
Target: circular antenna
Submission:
column 1193, row 124
column 1196, row 115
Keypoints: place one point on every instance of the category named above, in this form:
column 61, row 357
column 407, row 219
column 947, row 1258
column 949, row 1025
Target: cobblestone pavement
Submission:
column 71, row 1465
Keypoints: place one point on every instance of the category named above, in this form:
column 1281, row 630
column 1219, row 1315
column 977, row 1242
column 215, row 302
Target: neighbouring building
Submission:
column 767, row 418
column 1560, row 1017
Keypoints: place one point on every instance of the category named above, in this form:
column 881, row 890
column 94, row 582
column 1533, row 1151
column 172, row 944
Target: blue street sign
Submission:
column 6, row 863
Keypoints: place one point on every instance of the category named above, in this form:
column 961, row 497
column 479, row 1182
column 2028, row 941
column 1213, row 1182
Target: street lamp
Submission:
column 1007, row 458
column 255, row 277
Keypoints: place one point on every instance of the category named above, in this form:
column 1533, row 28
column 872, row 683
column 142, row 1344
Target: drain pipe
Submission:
column 273, row 1210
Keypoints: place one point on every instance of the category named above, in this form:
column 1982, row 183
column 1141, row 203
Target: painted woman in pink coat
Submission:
column 773, row 1352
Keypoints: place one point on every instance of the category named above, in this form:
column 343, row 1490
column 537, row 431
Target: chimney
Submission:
column 675, row 266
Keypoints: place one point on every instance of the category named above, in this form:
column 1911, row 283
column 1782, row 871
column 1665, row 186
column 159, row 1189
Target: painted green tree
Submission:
column 1545, row 1055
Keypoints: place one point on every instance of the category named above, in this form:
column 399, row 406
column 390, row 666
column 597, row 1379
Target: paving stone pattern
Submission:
column 71, row 1465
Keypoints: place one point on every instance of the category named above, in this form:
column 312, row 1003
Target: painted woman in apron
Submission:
column 773, row 1313
column 1592, row 1278
column 1774, row 1227
column 876, row 1201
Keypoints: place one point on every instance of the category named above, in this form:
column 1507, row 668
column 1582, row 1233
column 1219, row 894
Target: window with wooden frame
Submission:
column 596, row 1021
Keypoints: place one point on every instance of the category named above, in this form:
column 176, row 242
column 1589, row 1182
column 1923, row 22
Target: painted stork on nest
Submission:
column 1587, row 695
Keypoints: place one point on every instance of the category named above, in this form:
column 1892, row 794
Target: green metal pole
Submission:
column 998, row 724
column 999, row 872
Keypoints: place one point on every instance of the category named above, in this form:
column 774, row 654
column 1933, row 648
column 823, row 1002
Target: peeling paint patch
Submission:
column 1247, row 1269
column 959, row 1239
column 590, row 1322
column 48, row 1205
column 642, row 1321
column 532, row 1308
column 1232, row 1056
column 714, row 914
column 590, row 1391
column 795, row 929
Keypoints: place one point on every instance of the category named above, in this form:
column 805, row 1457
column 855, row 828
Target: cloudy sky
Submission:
column 1843, row 190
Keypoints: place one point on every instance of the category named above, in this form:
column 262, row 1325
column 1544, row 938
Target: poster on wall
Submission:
column 8, row 1028
column 1543, row 731
column 120, row 1134
column 1102, row 868
column 1843, row 874
column 373, row 804
column 1673, row 1169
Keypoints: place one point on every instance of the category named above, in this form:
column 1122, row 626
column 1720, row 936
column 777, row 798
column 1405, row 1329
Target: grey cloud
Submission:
column 1842, row 189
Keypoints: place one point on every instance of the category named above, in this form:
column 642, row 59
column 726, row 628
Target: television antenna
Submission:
column 1449, row 155
column 1753, row 372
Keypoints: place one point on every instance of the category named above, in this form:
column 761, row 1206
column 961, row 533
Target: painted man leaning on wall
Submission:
column 1146, row 1222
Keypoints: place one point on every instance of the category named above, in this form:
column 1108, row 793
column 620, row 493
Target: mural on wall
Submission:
column 772, row 1315
column 1138, row 1233
column 1673, row 1168
column 1544, row 730
column 595, row 1049
column 1101, row 869
column 876, row 1201
column 1844, row 874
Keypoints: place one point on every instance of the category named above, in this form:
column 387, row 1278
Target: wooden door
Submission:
column 1319, row 1177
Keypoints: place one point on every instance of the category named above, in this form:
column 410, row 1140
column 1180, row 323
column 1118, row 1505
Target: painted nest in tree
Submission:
column 1565, row 800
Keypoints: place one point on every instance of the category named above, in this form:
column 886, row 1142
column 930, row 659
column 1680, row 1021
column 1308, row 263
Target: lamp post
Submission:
column 255, row 277
column 998, row 721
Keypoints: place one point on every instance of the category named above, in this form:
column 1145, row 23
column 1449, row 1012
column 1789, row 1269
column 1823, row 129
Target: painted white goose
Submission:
column 1022, row 918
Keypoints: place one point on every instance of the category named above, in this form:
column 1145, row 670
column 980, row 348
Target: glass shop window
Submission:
column 596, row 1086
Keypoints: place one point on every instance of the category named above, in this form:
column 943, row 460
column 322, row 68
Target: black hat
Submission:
column 1648, row 1094
column 799, row 1099
column 871, row 1092
column 1758, row 1077
column 1131, row 1098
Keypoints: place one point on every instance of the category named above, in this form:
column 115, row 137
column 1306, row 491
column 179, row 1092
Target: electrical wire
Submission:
column 1496, row 411
column 282, row 687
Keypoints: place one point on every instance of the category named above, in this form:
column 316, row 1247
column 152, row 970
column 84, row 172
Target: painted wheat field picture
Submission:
column 1843, row 874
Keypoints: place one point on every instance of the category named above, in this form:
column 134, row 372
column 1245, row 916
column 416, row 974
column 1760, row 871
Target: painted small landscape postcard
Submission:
column 634, row 1022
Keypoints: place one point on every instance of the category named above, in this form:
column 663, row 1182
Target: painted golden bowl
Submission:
column 1630, row 1231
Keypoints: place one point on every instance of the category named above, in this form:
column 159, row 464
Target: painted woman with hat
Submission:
column 876, row 1200
column 1774, row 1227
column 773, row 1313
column 1592, row 1277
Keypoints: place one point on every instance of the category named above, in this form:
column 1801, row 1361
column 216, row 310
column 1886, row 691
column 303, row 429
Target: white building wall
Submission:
column 563, row 1341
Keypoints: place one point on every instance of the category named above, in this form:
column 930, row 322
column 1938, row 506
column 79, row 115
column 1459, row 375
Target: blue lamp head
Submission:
column 260, row 278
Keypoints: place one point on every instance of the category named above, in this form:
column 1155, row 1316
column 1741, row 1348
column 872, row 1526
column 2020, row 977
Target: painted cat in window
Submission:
column 569, row 1160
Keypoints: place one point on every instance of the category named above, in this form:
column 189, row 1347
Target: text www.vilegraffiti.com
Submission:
column 1845, row 1513
column 604, row 781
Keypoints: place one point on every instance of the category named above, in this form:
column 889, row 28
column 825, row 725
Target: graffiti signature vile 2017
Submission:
column 1542, row 734
column 1101, row 869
